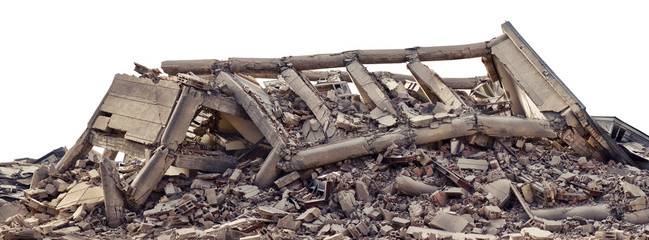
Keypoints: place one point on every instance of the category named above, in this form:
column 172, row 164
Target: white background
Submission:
column 58, row 58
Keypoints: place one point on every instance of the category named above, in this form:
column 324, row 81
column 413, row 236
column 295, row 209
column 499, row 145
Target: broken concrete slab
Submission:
column 449, row 222
column 82, row 193
column 428, row 233
column 536, row 233
column 632, row 190
column 506, row 107
column 499, row 189
column 309, row 215
column 474, row 164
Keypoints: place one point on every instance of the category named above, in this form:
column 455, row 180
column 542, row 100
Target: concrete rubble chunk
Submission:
column 500, row 189
column 362, row 192
column 286, row 179
column 386, row 229
column 456, row 192
column 235, row 176
column 415, row 210
column 170, row 189
column 639, row 203
column 347, row 202
column 449, row 222
column 309, row 215
column 429, row 233
column 492, row 212
column 408, row 186
column 282, row 148
column 287, row 222
column 474, row 164
column 422, row 120
column 398, row 222
column 555, row 161
column 632, row 190
column 93, row 174
column 536, row 233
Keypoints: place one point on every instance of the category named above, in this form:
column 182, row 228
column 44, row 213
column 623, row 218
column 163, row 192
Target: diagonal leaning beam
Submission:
column 372, row 93
column 433, row 85
column 272, row 131
column 307, row 92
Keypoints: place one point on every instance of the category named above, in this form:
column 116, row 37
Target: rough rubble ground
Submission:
column 271, row 213
column 397, row 194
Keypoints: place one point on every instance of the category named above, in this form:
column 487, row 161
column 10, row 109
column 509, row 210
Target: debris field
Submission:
column 316, row 153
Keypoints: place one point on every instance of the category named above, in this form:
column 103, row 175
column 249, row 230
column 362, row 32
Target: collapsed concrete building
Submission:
column 305, row 158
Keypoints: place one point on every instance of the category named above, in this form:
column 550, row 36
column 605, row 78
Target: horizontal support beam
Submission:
column 120, row 144
column 497, row 126
column 329, row 60
column 455, row 83
column 223, row 104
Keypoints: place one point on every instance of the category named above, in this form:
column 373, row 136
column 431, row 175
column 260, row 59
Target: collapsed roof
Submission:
column 206, row 115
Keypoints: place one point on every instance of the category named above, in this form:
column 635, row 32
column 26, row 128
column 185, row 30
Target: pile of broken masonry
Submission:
column 210, row 154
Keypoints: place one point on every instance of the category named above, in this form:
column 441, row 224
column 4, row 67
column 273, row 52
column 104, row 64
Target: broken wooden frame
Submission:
column 150, row 119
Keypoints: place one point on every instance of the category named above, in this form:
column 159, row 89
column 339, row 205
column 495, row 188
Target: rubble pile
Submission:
column 211, row 154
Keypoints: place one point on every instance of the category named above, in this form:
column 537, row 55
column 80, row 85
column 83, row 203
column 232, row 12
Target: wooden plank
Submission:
column 373, row 91
column 432, row 83
column 121, row 145
column 215, row 164
column 138, row 110
column 136, row 130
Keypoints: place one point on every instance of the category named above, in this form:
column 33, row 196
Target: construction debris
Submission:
column 210, row 152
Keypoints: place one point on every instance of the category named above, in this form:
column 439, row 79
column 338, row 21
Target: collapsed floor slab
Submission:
column 226, row 132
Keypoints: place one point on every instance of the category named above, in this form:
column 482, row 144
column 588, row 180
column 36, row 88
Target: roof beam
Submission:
column 372, row 93
column 329, row 60
column 433, row 85
column 307, row 92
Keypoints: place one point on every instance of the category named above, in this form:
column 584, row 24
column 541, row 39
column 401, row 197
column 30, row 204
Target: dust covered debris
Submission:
column 211, row 153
